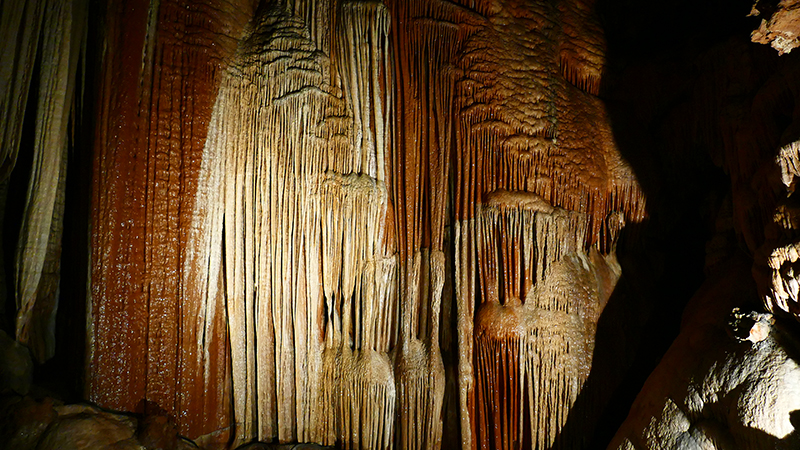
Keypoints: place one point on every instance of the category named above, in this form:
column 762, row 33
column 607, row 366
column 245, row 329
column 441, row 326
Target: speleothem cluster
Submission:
column 382, row 207
column 372, row 224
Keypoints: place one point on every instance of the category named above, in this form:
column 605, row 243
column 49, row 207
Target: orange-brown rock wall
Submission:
column 161, row 68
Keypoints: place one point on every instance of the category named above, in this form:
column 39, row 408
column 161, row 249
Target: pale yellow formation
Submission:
column 418, row 362
column 330, row 242
column 57, row 28
column 298, row 146
column 788, row 160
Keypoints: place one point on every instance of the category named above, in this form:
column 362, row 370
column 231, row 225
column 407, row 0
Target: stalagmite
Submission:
column 310, row 299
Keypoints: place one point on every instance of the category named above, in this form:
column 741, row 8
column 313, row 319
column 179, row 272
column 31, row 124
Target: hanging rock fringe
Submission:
column 59, row 28
column 334, row 151
column 297, row 144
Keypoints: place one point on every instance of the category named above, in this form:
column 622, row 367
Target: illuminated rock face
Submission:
column 146, row 338
column 381, row 191
column 780, row 24
column 730, row 379
column 371, row 224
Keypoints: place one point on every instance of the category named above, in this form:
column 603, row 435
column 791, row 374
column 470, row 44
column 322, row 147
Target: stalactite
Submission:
column 304, row 226
column 349, row 142
column 39, row 247
column 19, row 36
column 499, row 334
column 557, row 350
column 539, row 189
column 358, row 398
column 418, row 362
column 425, row 41
column 582, row 50
column 529, row 330
column 365, row 75
column 534, row 142
column 264, row 209
column 466, row 292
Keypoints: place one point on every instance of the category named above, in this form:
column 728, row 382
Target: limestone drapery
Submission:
column 324, row 221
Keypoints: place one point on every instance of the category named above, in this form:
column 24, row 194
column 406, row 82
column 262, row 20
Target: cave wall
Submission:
column 397, row 224
column 161, row 68
column 366, row 170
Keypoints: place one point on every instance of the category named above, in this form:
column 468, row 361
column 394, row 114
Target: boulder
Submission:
column 23, row 420
column 730, row 380
column 84, row 427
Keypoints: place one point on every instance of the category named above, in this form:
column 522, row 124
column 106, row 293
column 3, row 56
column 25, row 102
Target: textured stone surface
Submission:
column 90, row 429
column 157, row 429
column 28, row 424
column 364, row 217
column 780, row 25
column 160, row 72
column 331, row 242
column 730, row 380
column 263, row 446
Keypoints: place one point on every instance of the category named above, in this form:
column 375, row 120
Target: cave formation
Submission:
column 411, row 224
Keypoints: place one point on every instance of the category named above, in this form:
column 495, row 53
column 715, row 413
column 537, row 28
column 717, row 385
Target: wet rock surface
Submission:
column 157, row 430
column 88, row 428
column 499, row 94
column 263, row 446
column 23, row 420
